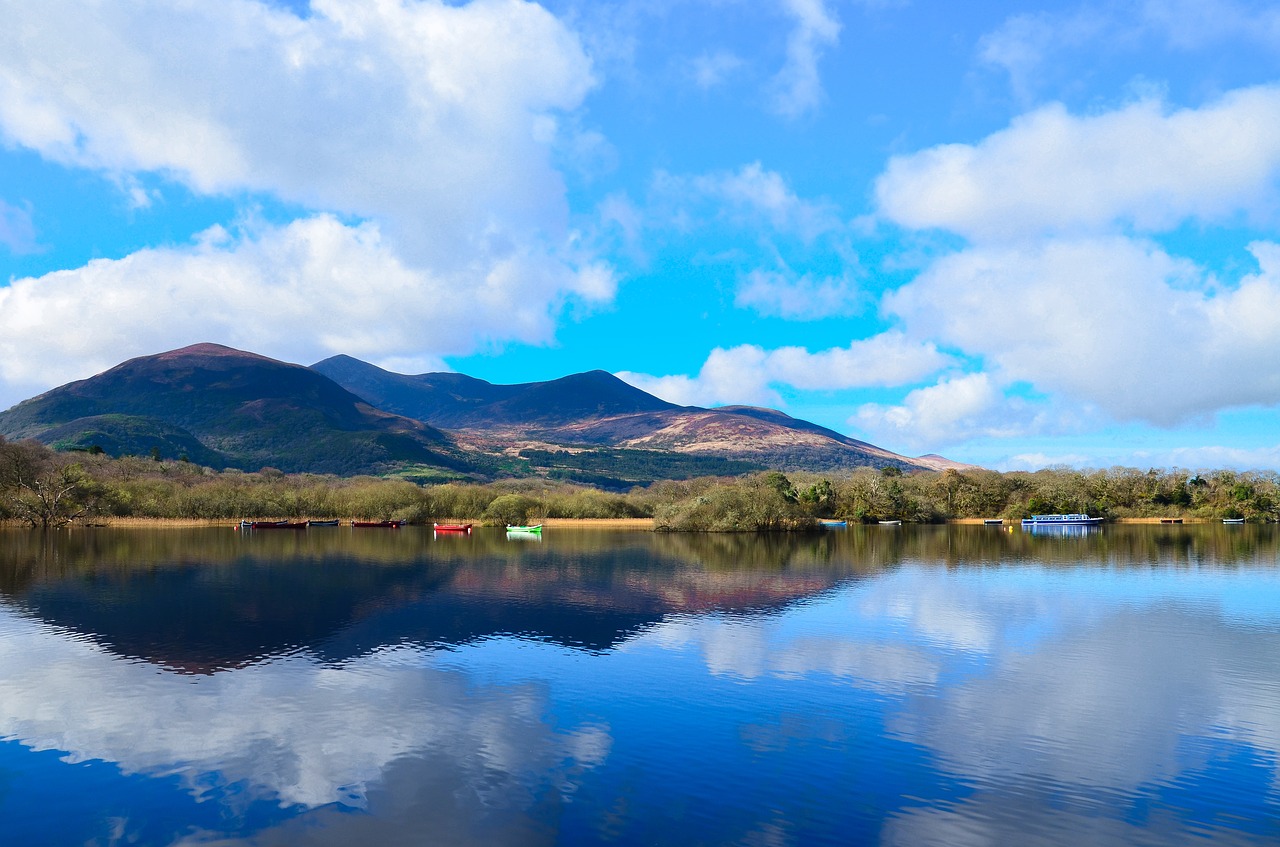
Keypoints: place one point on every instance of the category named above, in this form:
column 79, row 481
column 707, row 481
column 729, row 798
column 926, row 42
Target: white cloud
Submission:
column 955, row 409
column 300, row 293
column 746, row 374
column 434, row 123
column 1022, row 45
column 1202, row 457
column 756, row 192
column 797, row 88
column 434, row 116
column 1053, row 172
column 1030, row 47
column 798, row 298
column 1110, row 322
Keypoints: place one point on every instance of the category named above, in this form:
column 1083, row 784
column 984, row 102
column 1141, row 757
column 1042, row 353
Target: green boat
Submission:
column 535, row 528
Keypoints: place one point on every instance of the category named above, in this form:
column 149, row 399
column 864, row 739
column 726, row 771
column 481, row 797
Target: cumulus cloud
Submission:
column 1053, row 172
column 1063, row 285
column 340, row 288
column 433, row 123
column 955, row 409
column 1111, row 322
column 436, row 116
column 748, row 374
column 797, row 89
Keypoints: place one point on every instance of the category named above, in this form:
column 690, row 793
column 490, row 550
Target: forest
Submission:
column 46, row 488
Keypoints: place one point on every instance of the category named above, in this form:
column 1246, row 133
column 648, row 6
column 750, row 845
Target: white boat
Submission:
column 890, row 523
column 1233, row 520
column 1061, row 520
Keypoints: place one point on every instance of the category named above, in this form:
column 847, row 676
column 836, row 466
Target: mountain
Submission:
column 228, row 408
column 456, row 401
column 599, row 410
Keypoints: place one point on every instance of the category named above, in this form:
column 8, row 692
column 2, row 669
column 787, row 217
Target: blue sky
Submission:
column 1016, row 234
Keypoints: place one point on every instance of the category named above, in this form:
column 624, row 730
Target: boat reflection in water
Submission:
column 1061, row 529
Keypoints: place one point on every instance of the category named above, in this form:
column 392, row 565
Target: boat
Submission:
column 834, row 524
column 453, row 527
column 535, row 528
column 1171, row 520
column 272, row 525
column 993, row 521
column 1061, row 520
column 891, row 523
column 334, row 522
column 1233, row 520
column 382, row 524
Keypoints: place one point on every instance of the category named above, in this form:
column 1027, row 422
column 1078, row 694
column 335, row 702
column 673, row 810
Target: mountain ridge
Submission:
column 223, row 407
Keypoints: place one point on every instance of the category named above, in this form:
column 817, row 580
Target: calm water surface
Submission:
column 903, row 686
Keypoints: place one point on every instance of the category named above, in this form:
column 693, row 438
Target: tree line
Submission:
column 42, row 487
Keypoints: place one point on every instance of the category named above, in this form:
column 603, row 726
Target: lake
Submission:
column 877, row 685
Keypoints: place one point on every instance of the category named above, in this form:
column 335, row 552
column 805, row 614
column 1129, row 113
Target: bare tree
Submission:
column 41, row 487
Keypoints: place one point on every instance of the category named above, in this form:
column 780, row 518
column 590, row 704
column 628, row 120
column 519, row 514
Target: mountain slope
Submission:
column 246, row 409
column 598, row 409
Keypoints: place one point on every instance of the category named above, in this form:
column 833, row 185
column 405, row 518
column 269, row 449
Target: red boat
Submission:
column 453, row 527
column 383, row 524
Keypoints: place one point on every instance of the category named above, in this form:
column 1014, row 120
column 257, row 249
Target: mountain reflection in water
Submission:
column 932, row 685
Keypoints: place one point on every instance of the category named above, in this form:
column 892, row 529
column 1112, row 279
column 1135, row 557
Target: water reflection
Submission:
column 930, row 685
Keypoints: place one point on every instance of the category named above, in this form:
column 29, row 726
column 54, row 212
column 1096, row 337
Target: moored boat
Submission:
column 1061, row 520
column 334, row 522
column 380, row 524
column 1233, row 520
column 891, row 523
column 453, row 527
column 993, row 521
column 272, row 525
column 534, row 528
column 833, row 524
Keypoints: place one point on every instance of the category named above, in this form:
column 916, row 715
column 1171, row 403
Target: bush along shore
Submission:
column 41, row 487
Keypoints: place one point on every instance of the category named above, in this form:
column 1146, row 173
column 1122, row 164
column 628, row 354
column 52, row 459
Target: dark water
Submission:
column 903, row 686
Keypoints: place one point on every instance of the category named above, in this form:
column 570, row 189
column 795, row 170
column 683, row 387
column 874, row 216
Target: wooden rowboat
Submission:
column 534, row 528
column 453, row 527
column 382, row 524
column 272, row 525
column 333, row 522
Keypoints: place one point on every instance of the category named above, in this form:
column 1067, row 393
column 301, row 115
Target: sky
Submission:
column 1016, row 234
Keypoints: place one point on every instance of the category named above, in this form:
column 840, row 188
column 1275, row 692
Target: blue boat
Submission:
column 834, row 524
column 1061, row 520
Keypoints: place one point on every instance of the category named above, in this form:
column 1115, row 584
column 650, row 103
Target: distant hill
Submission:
column 456, row 401
column 598, row 409
column 228, row 408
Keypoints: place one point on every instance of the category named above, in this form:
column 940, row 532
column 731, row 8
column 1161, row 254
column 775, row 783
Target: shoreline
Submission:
column 200, row 523
column 635, row 524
